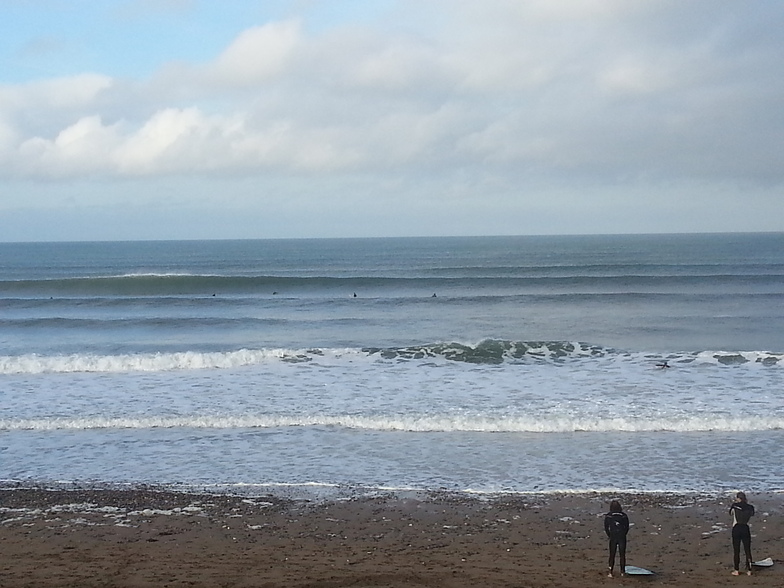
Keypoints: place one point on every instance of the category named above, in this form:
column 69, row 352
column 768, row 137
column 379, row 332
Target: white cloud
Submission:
column 77, row 149
column 256, row 55
column 54, row 94
column 163, row 140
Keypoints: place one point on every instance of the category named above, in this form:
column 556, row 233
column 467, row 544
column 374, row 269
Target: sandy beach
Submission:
column 146, row 537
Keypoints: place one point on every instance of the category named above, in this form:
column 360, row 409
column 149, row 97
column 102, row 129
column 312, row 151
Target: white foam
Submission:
column 419, row 424
column 200, row 360
column 357, row 418
column 155, row 362
column 90, row 508
column 767, row 358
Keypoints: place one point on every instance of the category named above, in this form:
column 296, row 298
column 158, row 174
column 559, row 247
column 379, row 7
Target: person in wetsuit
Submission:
column 741, row 512
column 616, row 525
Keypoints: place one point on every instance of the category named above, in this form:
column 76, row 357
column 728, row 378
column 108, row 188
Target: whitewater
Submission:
column 515, row 364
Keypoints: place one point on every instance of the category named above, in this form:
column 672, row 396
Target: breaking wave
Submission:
column 415, row 423
column 487, row 352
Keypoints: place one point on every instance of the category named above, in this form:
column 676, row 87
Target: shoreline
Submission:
column 146, row 536
column 328, row 492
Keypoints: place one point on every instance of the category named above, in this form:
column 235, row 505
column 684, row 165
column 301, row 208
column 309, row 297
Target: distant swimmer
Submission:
column 663, row 364
column 355, row 294
column 434, row 295
column 274, row 293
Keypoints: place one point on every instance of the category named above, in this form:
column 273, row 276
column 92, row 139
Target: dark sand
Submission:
column 145, row 537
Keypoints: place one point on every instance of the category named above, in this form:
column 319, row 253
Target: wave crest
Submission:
column 488, row 352
column 492, row 351
column 415, row 423
column 145, row 362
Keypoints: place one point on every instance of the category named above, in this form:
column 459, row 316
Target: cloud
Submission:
column 53, row 94
column 597, row 90
column 256, row 55
column 78, row 149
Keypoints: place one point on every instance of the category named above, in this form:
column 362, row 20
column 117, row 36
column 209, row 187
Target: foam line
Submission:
column 422, row 424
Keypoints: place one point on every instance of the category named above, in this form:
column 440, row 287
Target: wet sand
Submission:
column 145, row 537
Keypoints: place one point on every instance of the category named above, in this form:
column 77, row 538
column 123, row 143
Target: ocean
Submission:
column 483, row 365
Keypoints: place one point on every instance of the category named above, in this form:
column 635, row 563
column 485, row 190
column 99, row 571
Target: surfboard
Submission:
column 636, row 571
column 763, row 563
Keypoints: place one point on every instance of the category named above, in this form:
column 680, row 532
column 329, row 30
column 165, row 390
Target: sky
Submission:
column 232, row 119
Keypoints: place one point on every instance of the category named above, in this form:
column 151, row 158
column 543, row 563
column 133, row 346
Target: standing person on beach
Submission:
column 616, row 525
column 741, row 512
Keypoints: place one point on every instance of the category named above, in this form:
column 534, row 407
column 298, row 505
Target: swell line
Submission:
column 205, row 285
column 418, row 424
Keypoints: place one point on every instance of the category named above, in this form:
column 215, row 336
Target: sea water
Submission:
column 499, row 364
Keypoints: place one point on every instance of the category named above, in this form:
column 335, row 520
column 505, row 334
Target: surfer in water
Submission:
column 616, row 526
column 741, row 512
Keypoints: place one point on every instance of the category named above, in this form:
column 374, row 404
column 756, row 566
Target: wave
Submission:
column 409, row 423
column 205, row 285
column 147, row 362
column 488, row 352
column 115, row 323
column 614, row 269
column 492, row 351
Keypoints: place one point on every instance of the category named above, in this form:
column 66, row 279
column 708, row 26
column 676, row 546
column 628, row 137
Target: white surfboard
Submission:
column 637, row 571
column 763, row 563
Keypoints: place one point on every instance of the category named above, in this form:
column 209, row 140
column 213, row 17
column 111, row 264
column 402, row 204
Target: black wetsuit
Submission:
column 616, row 525
column 741, row 513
